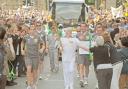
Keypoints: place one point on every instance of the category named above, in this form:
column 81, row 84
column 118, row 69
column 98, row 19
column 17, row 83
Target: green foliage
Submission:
column 90, row 2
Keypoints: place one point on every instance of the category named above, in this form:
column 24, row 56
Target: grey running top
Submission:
column 32, row 46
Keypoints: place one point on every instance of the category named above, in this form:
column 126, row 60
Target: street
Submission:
column 29, row 28
column 55, row 80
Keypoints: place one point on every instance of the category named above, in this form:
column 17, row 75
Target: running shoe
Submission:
column 40, row 77
column 86, row 82
column 81, row 83
column 78, row 75
column 29, row 87
column 67, row 87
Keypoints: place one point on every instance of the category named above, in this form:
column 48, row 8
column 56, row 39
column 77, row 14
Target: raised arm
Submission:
column 86, row 49
column 81, row 46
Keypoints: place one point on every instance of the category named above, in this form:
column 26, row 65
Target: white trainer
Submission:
column 40, row 78
column 67, row 87
column 34, row 87
column 78, row 75
column 71, row 87
column 29, row 87
column 86, row 82
column 97, row 86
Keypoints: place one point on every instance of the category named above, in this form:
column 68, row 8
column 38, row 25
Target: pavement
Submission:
column 55, row 80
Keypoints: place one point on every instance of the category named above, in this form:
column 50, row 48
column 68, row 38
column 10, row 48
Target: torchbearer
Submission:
column 68, row 47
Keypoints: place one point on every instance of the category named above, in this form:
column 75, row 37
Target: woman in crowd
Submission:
column 11, row 29
column 32, row 49
column 121, row 34
column 124, row 57
column 17, row 41
column 68, row 47
column 114, row 32
column 102, row 63
column 115, row 60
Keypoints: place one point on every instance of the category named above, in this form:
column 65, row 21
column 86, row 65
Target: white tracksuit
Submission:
column 69, row 46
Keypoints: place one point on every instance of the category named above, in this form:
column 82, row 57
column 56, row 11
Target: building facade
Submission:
column 14, row 4
column 107, row 4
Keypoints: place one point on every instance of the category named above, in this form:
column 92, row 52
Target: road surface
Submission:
column 55, row 80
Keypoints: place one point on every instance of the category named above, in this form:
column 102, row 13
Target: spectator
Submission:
column 102, row 63
column 115, row 60
column 114, row 32
column 83, row 59
column 3, row 76
column 124, row 57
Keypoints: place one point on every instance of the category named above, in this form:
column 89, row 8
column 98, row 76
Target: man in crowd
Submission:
column 83, row 59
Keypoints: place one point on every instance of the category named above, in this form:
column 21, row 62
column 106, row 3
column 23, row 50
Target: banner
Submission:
column 117, row 12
